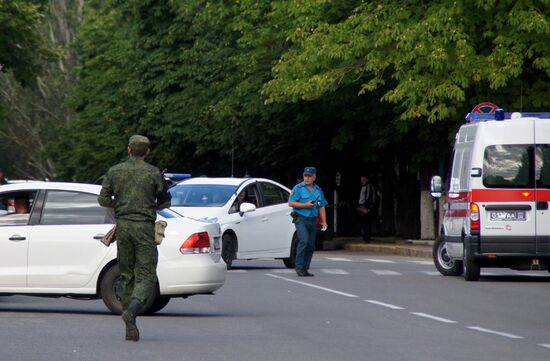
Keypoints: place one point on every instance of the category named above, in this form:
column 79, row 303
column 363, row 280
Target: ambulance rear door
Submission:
column 542, row 179
column 505, row 193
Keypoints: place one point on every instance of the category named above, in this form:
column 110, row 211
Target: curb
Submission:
column 388, row 245
column 403, row 250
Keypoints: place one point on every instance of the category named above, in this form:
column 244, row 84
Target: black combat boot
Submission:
column 129, row 318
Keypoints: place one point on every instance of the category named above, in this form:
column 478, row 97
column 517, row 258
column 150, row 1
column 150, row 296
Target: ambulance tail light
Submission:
column 196, row 243
column 474, row 217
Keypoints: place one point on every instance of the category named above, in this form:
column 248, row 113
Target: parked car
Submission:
column 55, row 248
column 253, row 214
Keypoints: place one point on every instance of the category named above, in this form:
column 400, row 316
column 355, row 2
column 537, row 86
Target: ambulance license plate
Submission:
column 507, row 216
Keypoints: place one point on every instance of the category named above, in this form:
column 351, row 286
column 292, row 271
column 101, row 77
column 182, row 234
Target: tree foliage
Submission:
column 35, row 82
column 426, row 57
column 22, row 45
column 266, row 87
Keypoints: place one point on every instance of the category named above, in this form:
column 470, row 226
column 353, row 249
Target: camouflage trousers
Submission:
column 137, row 260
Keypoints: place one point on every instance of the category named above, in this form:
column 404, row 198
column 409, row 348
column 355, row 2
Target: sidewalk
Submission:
column 388, row 245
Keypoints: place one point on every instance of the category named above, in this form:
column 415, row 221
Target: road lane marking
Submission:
column 377, row 260
column 284, row 270
column 545, row 345
column 432, row 273
column 334, row 271
column 431, row 317
column 313, row 286
column 425, row 263
column 486, row 330
column 383, row 272
column 393, row 307
column 338, row 259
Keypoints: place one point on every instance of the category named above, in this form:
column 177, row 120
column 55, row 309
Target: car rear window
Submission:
column 201, row 195
column 508, row 166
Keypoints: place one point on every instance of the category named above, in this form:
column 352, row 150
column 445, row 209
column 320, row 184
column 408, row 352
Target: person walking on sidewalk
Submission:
column 308, row 202
column 136, row 190
column 367, row 200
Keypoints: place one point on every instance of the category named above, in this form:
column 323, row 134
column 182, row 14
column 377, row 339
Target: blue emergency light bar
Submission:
column 500, row 114
column 177, row 177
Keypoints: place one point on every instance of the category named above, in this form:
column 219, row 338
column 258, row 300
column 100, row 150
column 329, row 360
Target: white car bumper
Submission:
column 192, row 274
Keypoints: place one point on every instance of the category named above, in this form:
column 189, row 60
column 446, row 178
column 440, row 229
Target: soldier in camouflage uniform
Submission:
column 133, row 188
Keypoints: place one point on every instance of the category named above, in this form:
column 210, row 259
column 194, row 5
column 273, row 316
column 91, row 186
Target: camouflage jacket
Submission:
column 132, row 189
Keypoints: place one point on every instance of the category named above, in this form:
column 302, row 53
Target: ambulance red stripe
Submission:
column 503, row 195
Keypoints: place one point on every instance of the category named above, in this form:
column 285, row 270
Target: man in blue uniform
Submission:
column 308, row 202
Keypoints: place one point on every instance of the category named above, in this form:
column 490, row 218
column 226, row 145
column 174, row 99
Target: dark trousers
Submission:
column 306, row 230
column 366, row 226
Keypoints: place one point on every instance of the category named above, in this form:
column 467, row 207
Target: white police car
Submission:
column 253, row 214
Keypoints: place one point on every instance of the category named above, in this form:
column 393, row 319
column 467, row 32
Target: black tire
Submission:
column 445, row 264
column 110, row 289
column 290, row 262
column 159, row 304
column 229, row 248
column 472, row 270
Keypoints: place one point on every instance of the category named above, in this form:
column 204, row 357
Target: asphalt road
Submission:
column 359, row 306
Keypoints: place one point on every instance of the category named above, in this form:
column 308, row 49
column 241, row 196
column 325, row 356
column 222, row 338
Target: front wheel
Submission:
column 111, row 292
column 290, row 262
column 445, row 264
column 472, row 270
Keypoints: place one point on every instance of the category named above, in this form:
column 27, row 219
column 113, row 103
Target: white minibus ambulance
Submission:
column 496, row 198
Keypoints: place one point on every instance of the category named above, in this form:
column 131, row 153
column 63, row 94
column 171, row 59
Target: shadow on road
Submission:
column 516, row 278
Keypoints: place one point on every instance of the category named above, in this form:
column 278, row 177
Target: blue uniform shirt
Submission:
column 301, row 193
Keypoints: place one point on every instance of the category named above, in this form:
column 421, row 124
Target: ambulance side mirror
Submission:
column 436, row 187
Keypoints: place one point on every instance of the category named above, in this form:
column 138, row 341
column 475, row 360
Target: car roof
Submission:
column 219, row 180
column 82, row 187
column 226, row 181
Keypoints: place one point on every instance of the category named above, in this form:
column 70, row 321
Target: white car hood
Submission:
column 199, row 212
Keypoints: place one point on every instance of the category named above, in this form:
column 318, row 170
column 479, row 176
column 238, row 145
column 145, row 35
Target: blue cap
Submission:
column 310, row 171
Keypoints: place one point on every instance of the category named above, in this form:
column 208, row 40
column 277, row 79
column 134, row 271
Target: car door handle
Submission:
column 542, row 206
column 265, row 219
column 17, row 237
column 99, row 236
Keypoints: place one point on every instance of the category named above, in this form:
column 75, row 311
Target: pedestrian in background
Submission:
column 136, row 190
column 367, row 200
column 308, row 202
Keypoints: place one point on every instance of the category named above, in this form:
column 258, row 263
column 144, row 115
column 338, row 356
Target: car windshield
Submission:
column 201, row 195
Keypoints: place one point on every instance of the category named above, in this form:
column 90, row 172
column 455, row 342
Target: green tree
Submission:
column 35, row 41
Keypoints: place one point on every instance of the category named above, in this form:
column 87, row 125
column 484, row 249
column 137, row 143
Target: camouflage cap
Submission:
column 139, row 143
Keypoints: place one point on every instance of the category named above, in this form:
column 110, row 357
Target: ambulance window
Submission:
column 465, row 168
column 508, row 166
column 454, row 185
column 542, row 172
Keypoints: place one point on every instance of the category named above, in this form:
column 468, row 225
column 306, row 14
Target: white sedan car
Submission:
column 50, row 246
column 253, row 214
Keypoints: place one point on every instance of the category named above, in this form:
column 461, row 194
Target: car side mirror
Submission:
column 436, row 187
column 246, row 207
